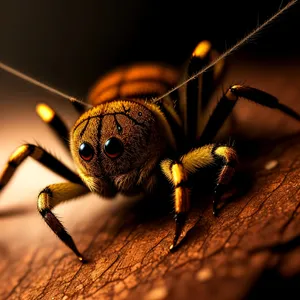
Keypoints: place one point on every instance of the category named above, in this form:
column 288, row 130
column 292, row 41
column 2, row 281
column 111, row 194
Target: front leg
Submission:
column 52, row 195
column 40, row 155
column 177, row 175
column 178, row 171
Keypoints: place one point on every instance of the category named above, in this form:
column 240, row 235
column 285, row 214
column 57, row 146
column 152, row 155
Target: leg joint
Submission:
column 20, row 154
column 47, row 191
column 226, row 153
column 44, row 204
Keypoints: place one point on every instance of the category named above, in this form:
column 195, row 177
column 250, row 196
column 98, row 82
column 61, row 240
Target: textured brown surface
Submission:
column 252, row 246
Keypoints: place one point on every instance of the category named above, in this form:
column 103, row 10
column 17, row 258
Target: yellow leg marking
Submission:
column 60, row 192
column 202, row 49
column 178, row 173
column 40, row 155
column 14, row 161
column 227, row 153
column 19, row 154
column 182, row 199
column 24, row 151
column 45, row 112
column 166, row 169
column 197, row 158
column 230, row 95
column 53, row 195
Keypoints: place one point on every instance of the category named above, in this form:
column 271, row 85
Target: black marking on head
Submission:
column 119, row 127
column 85, row 127
column 99, row 150
column 100, row 154
column 112, row 114
column 99, row 129
column 126, row 110
column 131, row 118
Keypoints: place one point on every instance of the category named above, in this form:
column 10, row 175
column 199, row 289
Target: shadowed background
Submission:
column 70, row 43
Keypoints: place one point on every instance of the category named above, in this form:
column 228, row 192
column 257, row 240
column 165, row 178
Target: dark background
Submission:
column 68, row 44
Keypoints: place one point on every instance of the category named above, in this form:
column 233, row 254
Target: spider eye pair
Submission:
column 113, row 148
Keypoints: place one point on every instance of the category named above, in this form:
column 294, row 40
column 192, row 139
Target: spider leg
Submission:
column 178, row 173
column 227, row 164
column 40, row 155
column 228, row 101
column 195, row 95
column 49, row 116
column 178, row 176
column 51, row 196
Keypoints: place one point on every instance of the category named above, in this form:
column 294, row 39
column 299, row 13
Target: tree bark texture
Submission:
column 251, row 248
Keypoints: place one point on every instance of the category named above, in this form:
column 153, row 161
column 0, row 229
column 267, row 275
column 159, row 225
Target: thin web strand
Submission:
column 229, row 51
column 40, row 84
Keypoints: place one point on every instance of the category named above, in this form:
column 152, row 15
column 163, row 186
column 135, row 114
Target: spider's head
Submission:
column 116, row 146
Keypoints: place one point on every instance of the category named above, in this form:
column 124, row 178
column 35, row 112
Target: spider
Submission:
column 138, row 128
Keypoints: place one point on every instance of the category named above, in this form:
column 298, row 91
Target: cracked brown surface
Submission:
column 252, row 246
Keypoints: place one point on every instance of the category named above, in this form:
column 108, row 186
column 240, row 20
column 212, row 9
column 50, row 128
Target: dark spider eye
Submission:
column 86, row 151
column 113, row 147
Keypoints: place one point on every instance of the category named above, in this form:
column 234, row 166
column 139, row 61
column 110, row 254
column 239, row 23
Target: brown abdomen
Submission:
column 136, row 81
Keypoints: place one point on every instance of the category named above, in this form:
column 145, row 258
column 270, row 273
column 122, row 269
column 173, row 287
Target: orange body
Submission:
column 137, row 81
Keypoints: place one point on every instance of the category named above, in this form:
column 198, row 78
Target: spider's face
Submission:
column 115, row 146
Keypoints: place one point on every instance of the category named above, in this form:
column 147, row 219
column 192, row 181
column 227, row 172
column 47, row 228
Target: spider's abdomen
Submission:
column 132, row 82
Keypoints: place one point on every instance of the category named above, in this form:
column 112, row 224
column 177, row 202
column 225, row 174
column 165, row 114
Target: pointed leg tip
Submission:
column 82, row 259
column 174, row 244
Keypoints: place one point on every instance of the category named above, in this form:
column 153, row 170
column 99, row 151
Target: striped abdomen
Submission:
column 136, row 81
